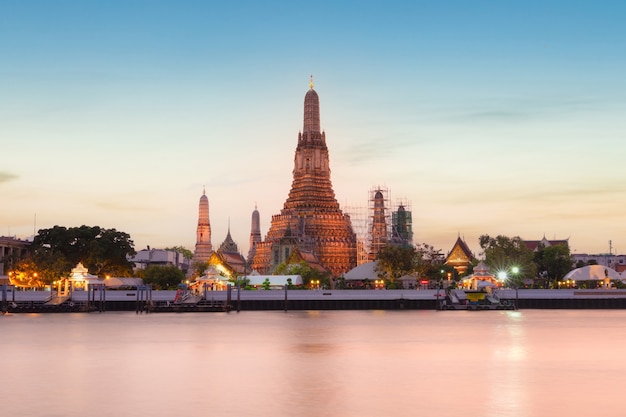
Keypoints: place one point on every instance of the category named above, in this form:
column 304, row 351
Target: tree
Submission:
column 55, row 251
column 509, row 255
column 395, row 262
column 305, row 271
column 162, row 277
column 429, row 263
column 199, row 268
column 187, row 254
column 553, row 262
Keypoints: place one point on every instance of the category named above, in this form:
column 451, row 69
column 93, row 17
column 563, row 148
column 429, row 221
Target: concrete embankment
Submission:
column 127, row 300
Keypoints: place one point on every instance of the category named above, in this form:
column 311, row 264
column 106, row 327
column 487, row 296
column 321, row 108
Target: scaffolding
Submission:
column 358, row 218
column 402, row 223
column 379, row 220
column 380, row 223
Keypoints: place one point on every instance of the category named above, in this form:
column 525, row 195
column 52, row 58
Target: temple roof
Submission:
column 534, row 244
column 229, row 245
column 460, row 252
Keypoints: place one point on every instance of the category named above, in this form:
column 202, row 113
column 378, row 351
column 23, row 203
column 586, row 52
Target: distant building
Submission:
column 160, row 257
column 617, row 262
column 11, row 251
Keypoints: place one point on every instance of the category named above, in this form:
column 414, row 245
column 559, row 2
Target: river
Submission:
column 315, row 363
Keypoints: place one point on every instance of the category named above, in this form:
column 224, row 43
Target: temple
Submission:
column 203, row 250
column 460, row 257
column 378, row 229
column 311, row 221
column 255, row 233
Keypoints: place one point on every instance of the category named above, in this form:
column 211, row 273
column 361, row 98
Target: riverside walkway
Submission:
column 126, row 300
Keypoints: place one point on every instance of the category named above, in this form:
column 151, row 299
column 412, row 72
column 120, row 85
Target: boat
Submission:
column 473, row 300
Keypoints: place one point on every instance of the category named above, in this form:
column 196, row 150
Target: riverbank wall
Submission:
column 163, row 301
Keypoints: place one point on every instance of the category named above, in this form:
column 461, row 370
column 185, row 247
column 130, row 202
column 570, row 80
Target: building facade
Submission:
column 159, row 257
column 11, row 251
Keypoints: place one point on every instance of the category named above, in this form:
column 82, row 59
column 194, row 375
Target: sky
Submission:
column 485, row 117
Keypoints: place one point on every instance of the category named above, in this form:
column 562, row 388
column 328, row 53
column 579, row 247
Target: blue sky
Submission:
column 494, row 117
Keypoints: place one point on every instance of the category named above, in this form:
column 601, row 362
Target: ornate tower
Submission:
column 402, row 225
column 379, row 224
column 311, row 216
column 203, row 234
column 255, row 233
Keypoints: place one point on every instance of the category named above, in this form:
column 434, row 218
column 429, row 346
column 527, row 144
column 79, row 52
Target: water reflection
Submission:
column 339, row 363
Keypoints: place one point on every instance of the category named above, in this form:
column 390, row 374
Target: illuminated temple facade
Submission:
column 311, row 226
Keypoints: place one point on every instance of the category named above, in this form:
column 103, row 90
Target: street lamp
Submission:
column 515, row 271
column 503, row 276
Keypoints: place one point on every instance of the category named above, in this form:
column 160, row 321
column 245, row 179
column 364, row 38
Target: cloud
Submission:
column 6, row 177
column 523, row 110
column 374, row 149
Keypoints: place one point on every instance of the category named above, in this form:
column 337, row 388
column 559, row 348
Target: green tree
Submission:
column 55, row 251
column 395, row 262
column 199, row 268
column 266, row 284
column 553, row 262
column 429, row 263
column 240, row 280
column 162, row 277
column 187, row 254
column 510, row 255
column 305, row 271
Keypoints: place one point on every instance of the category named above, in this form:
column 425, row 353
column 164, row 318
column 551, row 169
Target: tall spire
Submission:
column 255, row 233
column 311, row 111
column 311, row 220
column 229, row 245
column 204, row 248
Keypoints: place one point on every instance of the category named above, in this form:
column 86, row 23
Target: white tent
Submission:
column 593, row 273
column 362, row 272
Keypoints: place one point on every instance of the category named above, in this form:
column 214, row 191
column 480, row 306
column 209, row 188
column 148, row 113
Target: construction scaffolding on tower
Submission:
column 379, row 220
column 402, row 224
column 358, row 218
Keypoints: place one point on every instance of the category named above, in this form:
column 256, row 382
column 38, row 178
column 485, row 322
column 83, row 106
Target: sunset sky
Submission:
column 487, row 117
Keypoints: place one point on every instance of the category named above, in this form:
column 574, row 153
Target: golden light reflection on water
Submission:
column 338, row 363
